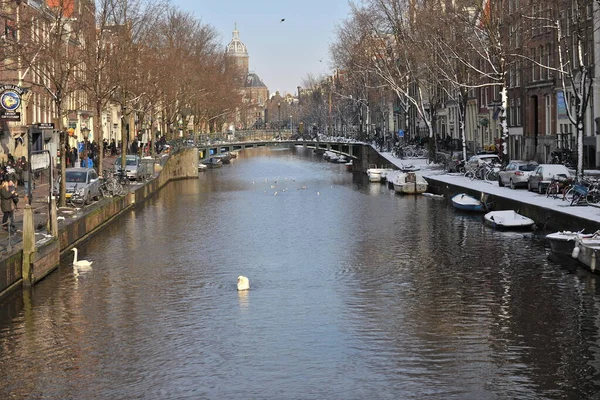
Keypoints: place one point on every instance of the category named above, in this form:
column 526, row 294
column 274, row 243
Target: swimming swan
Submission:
column 243, row 283
column 82, row 265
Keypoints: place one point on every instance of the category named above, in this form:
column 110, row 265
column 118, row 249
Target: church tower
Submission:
column 238, row 51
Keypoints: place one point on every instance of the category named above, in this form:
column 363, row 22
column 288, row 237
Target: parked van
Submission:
column 543, row 175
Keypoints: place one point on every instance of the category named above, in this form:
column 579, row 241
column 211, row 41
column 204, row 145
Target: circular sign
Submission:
column 10, row 100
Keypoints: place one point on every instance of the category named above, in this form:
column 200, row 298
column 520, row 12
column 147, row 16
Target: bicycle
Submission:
column 491, row 172
column 111, row 186
column 558, row 186
column 471, row 172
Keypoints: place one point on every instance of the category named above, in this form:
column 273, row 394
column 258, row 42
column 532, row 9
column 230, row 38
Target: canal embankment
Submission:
column 552, row 214
column 30, row 261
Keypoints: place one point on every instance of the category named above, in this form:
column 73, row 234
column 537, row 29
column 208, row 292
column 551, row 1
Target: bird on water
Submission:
column 243, row 283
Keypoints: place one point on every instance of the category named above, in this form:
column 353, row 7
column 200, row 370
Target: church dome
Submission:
column 236, row 47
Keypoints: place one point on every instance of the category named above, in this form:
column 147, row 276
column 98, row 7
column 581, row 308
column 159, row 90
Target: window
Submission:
column 511, row 113
column 541, row 63
column 548, row 118
column 533, row 66
column 518, row 117
column 548, row 60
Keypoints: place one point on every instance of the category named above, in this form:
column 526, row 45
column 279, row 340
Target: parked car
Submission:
column 82, row 181
column 516, row 173
column 478, row 160
column 543, row 174
column 132, row 163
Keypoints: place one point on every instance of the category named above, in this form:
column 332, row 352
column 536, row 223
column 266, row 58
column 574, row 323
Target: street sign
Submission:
column 400, row 133
column 10, row 116
column 40, row 160
column 45, row 125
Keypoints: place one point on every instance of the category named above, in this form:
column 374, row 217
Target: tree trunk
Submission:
column 63, row 155
column 98, row 136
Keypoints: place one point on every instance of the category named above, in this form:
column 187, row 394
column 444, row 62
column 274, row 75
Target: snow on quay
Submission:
column 523, row 195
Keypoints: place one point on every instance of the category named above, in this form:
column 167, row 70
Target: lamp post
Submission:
column 279, row 120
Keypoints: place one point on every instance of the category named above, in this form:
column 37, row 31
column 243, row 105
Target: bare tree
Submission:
column 50, row 47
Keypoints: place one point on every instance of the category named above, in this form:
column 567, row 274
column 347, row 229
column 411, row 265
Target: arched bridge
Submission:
column 362, row 154
column 351, row 150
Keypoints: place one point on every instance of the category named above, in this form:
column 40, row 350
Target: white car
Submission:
column 543, row 174
column 477, row 160
column 516, row 173
column 132, row 163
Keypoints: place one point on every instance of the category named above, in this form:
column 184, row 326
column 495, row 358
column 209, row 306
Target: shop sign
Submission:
column 10, row 101
column 40, row 160
column 10, row 116
column 45, row 125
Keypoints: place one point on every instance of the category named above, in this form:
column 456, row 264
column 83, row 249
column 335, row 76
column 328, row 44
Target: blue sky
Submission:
column 282, row 54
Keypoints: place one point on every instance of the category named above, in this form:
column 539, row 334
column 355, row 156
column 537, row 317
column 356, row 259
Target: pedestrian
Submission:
column 7, row 206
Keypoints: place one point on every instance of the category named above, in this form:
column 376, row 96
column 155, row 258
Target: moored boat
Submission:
column 213, row 162
column 225, row 158
column 563, row 242
column 409, row 183
column 349, row 165
column 508, row 219
column 374, row 174
column 465, row 202
column 587, row 250
column 202, row 167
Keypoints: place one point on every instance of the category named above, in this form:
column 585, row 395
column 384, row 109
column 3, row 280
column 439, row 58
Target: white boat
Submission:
column 465, row 202
column 341, row 159
column 385, row 172
column 391, row 176
column 563, row 242
column 508, row 219
column 374, row 174
column 202, row 167
column 409, row 183
column 587, row 250
column 330, row 156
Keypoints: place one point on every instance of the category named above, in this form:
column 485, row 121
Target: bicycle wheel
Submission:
column 577, row 198
column 77, row 201
column 593, row 197
column 552, row 190
column 119, row 190
column 492, row 175
column 470, row 174
column 568, row 194
column 109, row 187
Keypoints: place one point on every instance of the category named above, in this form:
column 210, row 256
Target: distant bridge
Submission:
column 351, row 150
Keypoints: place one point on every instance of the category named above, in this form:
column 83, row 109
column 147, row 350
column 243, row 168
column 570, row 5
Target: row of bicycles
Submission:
column 409, row 151
column 484, row 171
column 584, row 192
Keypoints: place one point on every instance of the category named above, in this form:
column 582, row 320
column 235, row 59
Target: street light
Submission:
column 279, row 120
column 291, row 126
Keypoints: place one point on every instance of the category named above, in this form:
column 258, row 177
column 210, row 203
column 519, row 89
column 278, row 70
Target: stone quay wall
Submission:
column 27, row 269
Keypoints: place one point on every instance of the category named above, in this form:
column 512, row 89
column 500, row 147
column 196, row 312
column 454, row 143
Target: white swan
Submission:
column 82, row 265
column 243, row 283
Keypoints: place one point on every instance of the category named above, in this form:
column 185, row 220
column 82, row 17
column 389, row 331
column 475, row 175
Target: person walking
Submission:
column 7, row 206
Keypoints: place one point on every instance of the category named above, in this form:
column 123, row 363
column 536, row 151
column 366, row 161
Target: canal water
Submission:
column 356, row 293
